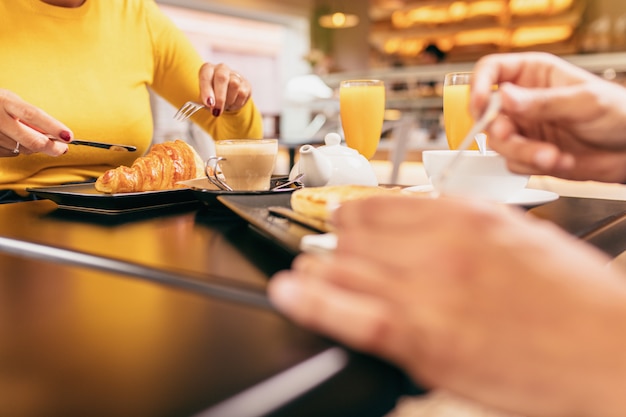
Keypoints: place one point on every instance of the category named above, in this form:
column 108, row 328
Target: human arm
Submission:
column 473, row 298
column 180, row 75
column 556, row 119
column 21, row 122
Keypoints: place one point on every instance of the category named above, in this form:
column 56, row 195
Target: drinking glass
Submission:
column 456, row 115
column 362, row 110
column 247, row 164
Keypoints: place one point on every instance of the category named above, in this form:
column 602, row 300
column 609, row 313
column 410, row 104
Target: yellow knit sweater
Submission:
column 90, row 67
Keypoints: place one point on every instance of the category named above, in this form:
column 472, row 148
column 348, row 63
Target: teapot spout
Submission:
column 315, row 166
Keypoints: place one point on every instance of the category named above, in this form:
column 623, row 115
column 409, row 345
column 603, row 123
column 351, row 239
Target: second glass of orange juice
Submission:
column 456, row 115
column 362, row 110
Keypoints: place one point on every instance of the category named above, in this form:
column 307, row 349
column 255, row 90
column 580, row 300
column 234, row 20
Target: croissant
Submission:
column 160, row 169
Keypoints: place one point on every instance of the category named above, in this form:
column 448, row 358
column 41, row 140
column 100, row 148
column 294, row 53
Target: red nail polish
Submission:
column 65, row 135
column 216, row 112
column 210, row 102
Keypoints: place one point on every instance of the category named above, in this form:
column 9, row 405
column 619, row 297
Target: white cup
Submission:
column 247, row 164
column 475, row 175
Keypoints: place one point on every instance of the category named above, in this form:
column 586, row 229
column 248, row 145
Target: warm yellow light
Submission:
column 411, row 47
column 428, row 15
column 530, row 7
column 420, row 15
column 392, row 45
column 391, row 4
column 404, row 47
column 455, row 12
column 445, row 44
column 393, row 114
column 559, row 6
column 495, row 36
column 458, row 10
column 400, row 20
column 339, row 20
column 525, row 37
column 486, row 8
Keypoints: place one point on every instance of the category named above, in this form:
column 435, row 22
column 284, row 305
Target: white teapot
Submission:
column 332, row 164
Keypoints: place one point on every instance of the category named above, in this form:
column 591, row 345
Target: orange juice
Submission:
column 456, row 116
column 362, row 109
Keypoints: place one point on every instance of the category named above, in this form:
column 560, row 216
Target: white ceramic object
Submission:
column 528, row 197
column 473, row 175
column 333, row 164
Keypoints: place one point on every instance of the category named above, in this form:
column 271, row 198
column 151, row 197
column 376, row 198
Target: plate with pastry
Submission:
column 286, row 219
column 152, row 181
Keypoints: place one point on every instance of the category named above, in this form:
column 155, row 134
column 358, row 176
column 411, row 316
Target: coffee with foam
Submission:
column 247, row 165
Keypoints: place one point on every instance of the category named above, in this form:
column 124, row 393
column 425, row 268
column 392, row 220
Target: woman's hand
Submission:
column 21, row 127
column 557, row 119
column 223, row 89
column 478, row 299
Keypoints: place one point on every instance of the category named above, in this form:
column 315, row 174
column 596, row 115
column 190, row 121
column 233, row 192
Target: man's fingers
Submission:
column 542, row 105
column 360, row 321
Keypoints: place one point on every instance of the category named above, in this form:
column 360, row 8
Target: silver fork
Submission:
column 187, row 110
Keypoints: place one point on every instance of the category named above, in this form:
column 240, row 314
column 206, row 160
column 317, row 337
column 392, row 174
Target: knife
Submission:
column 310, row 222
column 109, row 146
column 80, row 142
column 101, row 145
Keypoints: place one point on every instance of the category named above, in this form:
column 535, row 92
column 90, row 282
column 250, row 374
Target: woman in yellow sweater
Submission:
column 82, row 68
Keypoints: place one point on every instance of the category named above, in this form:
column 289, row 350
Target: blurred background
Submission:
column 295, row 52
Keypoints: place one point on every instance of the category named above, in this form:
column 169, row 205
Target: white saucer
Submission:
column 528, row 197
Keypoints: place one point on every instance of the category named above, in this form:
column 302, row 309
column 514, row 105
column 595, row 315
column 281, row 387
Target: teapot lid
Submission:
column 333, row 146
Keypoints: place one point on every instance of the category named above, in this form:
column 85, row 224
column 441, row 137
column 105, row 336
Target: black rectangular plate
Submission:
column 85, row 197
column 254, row 209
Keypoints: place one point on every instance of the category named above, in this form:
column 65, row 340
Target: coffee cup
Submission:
column 474, row 174
column 247, row 164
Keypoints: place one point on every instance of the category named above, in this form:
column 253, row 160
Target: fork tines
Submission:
column 187, row 110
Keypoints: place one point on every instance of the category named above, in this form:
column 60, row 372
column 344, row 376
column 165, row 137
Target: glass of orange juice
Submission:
column 362, row 110
column 456, row 115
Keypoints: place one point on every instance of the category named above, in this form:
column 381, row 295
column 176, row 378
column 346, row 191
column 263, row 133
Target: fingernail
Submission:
column 65, row 135
column 210, row 102
column 216, row 112
column 66, row 151
column 284, row 292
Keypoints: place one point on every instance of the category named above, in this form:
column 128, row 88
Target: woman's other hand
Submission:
column 222, row 89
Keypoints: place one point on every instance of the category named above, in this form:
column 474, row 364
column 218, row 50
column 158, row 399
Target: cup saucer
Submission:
column 528, row 197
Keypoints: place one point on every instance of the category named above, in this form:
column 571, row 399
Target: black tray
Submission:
column 85, row 198
column 254, row 209
column 207, row 193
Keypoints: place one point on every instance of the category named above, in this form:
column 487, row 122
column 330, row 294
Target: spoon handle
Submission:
column 495, row 103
